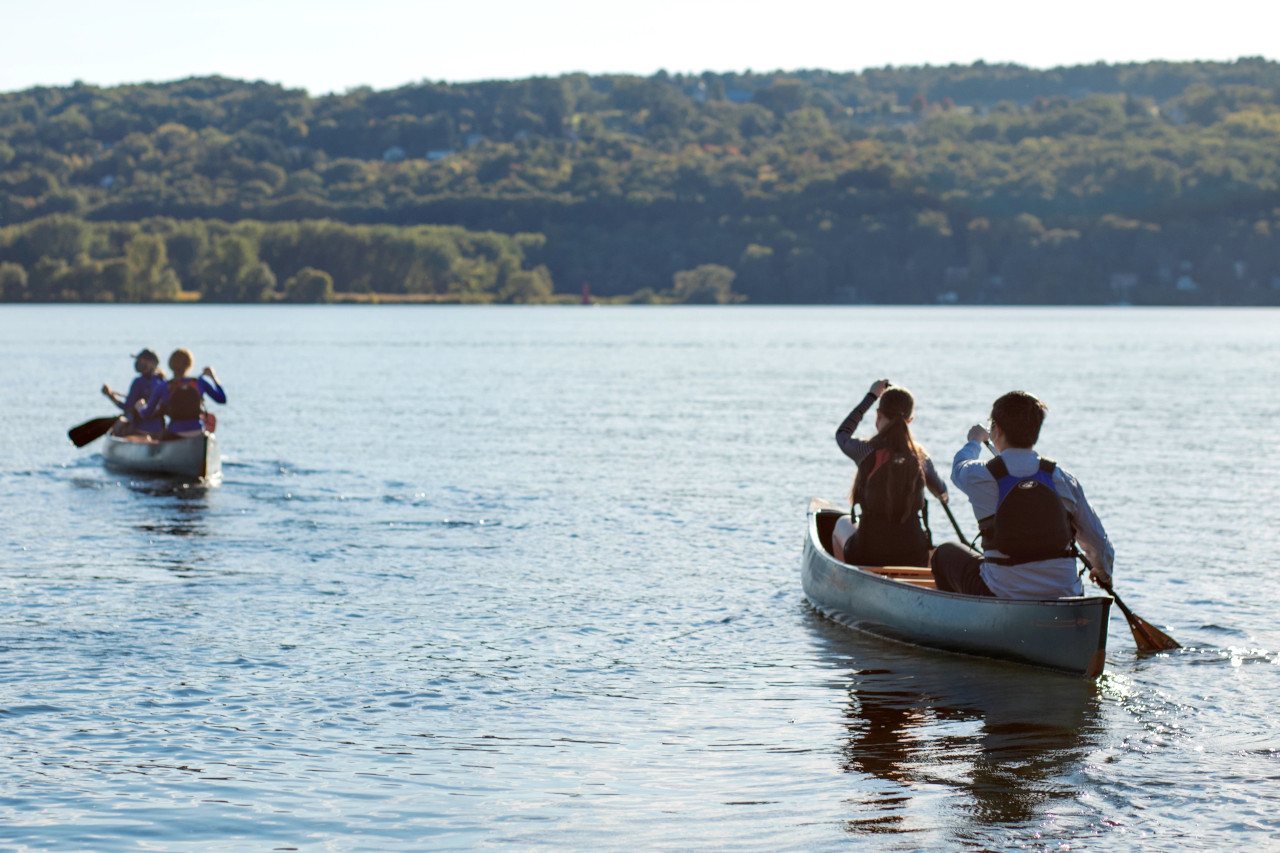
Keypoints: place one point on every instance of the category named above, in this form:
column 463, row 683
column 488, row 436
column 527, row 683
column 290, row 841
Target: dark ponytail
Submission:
column 905, row 481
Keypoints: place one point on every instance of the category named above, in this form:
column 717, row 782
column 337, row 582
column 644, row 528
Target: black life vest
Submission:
column 885, row 539
column 184, row 403
column 1031, row 521
column 873, row 481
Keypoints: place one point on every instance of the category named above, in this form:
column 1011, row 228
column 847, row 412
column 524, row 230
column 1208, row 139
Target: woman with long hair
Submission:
column 887, row 524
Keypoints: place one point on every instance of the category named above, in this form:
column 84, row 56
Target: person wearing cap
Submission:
column 144, row 388
column 893, row 472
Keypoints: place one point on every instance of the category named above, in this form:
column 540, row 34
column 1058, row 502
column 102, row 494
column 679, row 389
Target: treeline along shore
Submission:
column 1151, row 183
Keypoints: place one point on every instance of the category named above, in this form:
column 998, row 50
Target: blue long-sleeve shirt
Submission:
column 207, row 389
column 143, row 388
column 1044, row 578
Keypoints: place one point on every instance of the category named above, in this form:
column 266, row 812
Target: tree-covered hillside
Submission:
column 1155, row 182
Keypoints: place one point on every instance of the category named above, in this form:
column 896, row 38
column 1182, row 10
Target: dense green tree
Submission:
column 526, row 286
column 13, row 282
column 149, row 277
column 225, row 271
column 258, row 284
column 60, row 237
column 309, row 285
column 43, row 281
column 710, row 284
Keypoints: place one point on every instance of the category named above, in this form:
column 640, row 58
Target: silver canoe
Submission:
column 195, row 457
column 901, row 603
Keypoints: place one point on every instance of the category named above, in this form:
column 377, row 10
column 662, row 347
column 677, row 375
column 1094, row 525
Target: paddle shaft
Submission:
column 954, row 524
column 1148, row 637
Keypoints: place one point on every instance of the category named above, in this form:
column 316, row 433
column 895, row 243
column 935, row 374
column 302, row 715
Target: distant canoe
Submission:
column 901, row 603
column 195, row 457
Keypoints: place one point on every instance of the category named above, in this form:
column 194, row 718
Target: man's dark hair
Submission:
column 1019, row 416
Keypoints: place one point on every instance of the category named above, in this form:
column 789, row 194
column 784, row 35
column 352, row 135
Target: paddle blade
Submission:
column 90, row 430
column 1148, row 637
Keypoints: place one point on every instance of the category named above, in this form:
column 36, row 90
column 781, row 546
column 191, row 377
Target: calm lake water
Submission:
column 529, row 578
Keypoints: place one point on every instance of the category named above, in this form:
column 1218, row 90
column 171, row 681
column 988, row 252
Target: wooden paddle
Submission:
column 1148, row 637
column 90, row 430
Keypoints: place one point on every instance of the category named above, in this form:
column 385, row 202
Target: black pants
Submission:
column 880, row 543
column 955, row 568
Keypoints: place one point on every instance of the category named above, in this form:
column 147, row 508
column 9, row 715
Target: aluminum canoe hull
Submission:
column 197, row 457
column 1066, row 635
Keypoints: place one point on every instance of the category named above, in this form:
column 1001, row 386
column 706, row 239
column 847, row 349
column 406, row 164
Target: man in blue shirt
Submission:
column 1047, row 569
column 145, row 388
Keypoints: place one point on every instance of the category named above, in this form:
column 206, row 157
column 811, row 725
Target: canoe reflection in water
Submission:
column 966, row 744
column 173, row 510
column 171, row 523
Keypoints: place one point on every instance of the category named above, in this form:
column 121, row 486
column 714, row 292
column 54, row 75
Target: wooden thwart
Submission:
column 914, row 575
column 902, row 571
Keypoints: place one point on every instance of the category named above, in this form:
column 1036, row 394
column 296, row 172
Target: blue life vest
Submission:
column 1030, row 522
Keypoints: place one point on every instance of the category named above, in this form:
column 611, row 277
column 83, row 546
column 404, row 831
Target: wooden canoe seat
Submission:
column 914, row 575
column 899, row 571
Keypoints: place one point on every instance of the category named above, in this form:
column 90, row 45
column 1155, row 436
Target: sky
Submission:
column 325, row 46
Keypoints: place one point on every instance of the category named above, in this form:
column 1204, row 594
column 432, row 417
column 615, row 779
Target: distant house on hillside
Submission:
column 394, row 154
column 440, row 153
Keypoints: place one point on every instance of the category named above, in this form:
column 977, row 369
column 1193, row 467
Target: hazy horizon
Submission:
column 327, row 47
